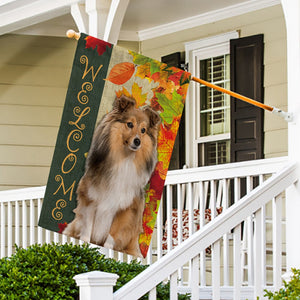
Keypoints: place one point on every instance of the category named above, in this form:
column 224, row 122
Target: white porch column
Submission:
column 96, row 285
column 292, row 18
column 105, row 18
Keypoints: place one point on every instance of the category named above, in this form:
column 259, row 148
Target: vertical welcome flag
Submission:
column 101, row 72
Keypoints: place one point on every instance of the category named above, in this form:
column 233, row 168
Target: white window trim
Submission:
column 195, row 50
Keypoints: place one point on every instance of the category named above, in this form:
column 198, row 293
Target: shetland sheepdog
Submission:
column 110, row 195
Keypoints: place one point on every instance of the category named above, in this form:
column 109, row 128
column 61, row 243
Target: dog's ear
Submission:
column 123, row 103
column 153, row 116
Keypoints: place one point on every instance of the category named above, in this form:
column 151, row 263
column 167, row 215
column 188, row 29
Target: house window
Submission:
column 208, row 110
column 214, row 112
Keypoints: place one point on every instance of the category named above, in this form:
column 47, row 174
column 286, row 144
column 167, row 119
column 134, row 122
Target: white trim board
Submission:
column 206, row 18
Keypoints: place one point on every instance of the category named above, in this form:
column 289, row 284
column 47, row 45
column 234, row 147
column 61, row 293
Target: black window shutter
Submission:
column 246, row 78
column 178, row 155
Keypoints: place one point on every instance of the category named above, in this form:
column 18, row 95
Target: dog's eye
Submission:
column 143, row 130
column 130, row 125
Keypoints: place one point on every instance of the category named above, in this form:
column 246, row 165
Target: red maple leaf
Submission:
column 176, row 77
column 156, row 181
column 62, row 227
column 144, row 249
column 92, row 42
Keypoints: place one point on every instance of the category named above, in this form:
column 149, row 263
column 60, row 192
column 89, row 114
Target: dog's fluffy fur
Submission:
column 110, row 194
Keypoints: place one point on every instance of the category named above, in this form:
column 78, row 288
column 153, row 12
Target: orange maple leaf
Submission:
column 121, row 73
column 122, row 92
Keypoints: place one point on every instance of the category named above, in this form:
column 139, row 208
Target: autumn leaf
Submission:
column 62, row 227
column 172, row 108
column 176, row 76
column 122, row 92
column 182, row 90
column 154, row 66
column 185, row 78
column 137, row 95
column 161, row 171
column 121, row 73
column 94, row 43
column 166, row 139
column 143, row 71
column 139, row 59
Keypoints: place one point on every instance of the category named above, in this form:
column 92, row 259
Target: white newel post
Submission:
column 96, row 285
column 292, row 18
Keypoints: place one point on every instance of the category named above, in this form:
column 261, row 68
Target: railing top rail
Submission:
column 229, row 171
column 232, row 170
column 22, row 194
column 208, row 234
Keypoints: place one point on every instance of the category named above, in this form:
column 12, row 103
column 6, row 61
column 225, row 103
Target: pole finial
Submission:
column 73, row 34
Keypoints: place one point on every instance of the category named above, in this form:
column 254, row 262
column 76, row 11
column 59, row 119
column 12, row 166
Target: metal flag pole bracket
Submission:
column 285, row 115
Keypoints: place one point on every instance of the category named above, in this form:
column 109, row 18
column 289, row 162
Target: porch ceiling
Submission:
column 144, row 19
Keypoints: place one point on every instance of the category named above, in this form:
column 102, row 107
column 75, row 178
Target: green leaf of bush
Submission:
column 46, row 272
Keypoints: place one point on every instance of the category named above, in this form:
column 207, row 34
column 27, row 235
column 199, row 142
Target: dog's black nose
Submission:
column 137, row 142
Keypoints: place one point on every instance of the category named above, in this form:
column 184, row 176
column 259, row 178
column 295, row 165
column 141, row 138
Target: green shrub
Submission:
column 290, row 291
column 46, row 272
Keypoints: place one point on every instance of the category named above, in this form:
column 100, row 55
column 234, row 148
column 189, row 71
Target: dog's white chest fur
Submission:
column 124, row 184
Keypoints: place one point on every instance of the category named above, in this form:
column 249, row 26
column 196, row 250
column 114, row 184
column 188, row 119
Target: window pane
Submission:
column 205, row 102
column 206, row 124
column 213, row 153
column 214, row 105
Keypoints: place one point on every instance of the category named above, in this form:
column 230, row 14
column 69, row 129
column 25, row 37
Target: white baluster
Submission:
column 169, row 217
column 237, row 268
column 190, row 208
column 202, row 200
column 258, row 255
column 277, row 241
column 55, row 237
column 215, row 260
column 212, row 200
column 224, row 204
column 237, row 189
column 152, row 294
column 120, row 256
column 64, row 239
column 24, row 224
column 17, row 223
column 40, row 230
column 194, row 281
column 179, row 228
column 9, row 229
column 32, row 223
column 159, row 231
column 48, row 240
column 173, row 286
column 249, row 229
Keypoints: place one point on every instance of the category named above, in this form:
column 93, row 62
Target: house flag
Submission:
column 114, row 145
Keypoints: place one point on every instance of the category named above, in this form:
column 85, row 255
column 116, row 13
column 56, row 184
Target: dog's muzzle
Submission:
column 136, row 144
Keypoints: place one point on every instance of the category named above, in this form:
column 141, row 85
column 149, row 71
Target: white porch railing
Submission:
column 187, row 191
column 250, row 206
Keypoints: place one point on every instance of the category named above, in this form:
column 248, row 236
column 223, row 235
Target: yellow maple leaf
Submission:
column 143, row 71
column 137, row 95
